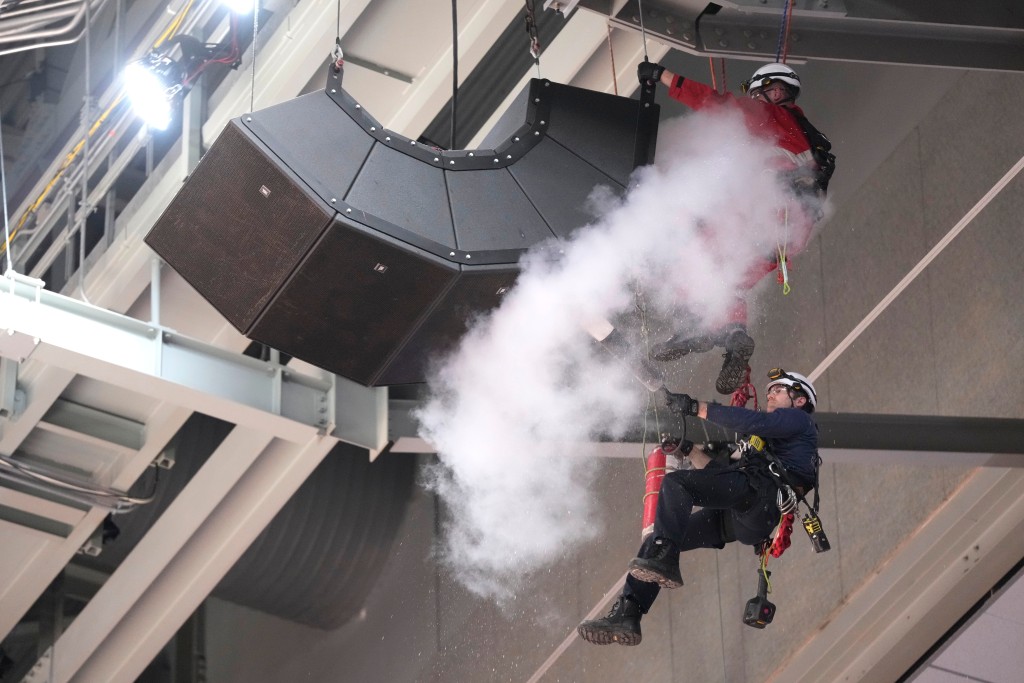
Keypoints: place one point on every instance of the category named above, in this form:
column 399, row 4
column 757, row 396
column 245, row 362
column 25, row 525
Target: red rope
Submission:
column 785, row 41
column 747, row 391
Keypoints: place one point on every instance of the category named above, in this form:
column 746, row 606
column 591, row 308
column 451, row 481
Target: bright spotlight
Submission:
column 239, row 6
column 153, row 85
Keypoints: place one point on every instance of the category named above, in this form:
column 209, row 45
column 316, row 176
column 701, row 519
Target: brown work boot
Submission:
column 622, row 625
column 681, row 344
column 659, row 564
column 739, row 347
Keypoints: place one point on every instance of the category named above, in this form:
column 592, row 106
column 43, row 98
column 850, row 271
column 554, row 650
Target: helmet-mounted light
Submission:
column 793, row 380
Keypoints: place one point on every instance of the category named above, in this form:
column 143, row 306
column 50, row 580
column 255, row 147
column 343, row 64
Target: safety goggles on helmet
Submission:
column 793, row 380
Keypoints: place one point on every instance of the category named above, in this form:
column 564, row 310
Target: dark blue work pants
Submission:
column 735, row 505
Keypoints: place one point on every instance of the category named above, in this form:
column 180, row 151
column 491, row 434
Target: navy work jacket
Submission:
column 790, row 435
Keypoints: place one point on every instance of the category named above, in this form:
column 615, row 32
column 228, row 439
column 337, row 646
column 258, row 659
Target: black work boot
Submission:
column 681, row 344
column 659, row 565
column 622, row 625
column 739, row 347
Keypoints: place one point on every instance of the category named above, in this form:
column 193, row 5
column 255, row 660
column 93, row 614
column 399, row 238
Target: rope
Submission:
column 783, row 31
column 912, row 275
column 714, row 82
column 789, row 24
column 746, row 391
column 782, row 255
column 643, row 31
column 455, row 66
column 169, row 33
column 641, row 307
column 71, row 156
column 86, row 115
column 3, row 187
column 611, row 53
column 172, row 29
column 255, row 30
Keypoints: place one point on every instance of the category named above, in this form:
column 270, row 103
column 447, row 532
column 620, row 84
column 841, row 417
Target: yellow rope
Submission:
column 782, row 249
column 172, row 29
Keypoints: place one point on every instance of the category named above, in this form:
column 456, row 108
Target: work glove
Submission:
column 649, row 72
column 681, row 404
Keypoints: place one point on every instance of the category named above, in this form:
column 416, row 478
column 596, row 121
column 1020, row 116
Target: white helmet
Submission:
column 773, row 72
column 794, row 380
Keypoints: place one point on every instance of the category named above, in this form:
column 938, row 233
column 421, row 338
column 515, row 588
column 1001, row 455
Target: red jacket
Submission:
column 774, row 122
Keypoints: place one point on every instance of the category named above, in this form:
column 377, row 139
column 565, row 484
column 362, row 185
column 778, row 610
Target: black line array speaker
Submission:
column 318, row 232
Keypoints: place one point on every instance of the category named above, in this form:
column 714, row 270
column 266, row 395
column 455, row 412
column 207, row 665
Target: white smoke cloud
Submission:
column 527, row 386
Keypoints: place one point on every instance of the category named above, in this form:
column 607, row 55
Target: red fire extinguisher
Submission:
column 656, row 469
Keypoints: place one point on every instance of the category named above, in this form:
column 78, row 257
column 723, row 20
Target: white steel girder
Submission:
column 152, row 361
column 37, row 557
column 182, row 558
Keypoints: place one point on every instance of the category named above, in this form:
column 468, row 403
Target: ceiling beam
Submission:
column 820, row 32
column 184, row 555
column 843, row 437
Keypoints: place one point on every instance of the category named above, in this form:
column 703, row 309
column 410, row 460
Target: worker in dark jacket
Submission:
column 803, row 159
column 739, row 501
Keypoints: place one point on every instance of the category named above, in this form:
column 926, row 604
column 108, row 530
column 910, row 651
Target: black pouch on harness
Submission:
column 821, row 150
column 753, row 525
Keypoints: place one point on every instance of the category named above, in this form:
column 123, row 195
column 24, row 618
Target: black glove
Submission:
column 681, row 404
column 649, row 71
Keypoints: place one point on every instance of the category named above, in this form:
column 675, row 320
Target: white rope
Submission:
column 3, row 196
column 912, row 275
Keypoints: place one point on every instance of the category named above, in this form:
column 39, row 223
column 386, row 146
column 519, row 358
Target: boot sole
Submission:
column 651, row 576
column 665, row 352
column 599, row 636
column 732, row 375
column 664, row 355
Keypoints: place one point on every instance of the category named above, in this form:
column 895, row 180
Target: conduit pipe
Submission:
column 74, row 21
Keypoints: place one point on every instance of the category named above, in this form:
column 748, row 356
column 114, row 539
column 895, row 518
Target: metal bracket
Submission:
column 94, row 546
column 12, row 399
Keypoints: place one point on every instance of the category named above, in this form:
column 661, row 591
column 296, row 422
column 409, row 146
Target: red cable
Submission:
column 746, row 391
column 785, row 40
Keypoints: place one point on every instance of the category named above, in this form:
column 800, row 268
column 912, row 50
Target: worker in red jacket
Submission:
column 804, row 160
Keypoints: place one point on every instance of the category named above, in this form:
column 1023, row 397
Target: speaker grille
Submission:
column 351, row 304
column 239, row 227
column 316, row 231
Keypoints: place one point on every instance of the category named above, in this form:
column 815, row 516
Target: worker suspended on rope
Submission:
column 806, row 163
column 740, row 501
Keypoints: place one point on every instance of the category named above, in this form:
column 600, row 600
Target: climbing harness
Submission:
column 821, row 151
column 759, row 612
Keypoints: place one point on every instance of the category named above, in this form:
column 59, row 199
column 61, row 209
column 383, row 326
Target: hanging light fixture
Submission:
column 239, row 6
column 154, row 85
